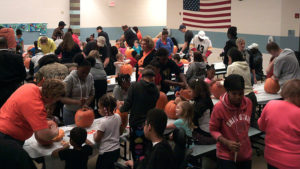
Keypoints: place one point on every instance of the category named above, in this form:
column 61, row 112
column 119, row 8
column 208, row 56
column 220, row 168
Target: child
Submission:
column 122, row 48
column 108, row 133
column 20, row 40
column 203, row 107
column 177, row 59
column 120, row 62
column 142, row 96
column 34, row 50
column 230, row 123
column 161, row 155
column 210, row 74
column 79, row 155
column 197, row 69
column 154, row 65
column 117, row 44
column 185, row 113
column 120, row 91
column 137, row 47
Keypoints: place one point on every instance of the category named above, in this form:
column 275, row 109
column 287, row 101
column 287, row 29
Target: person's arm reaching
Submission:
column 55, row 153
column 183, row 79
column 106, row 62
column 185, row 45
column 262, row 119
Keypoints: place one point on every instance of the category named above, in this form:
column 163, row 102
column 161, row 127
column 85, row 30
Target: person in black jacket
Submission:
column 142, row 97
column 12, row 71
column 160, row 156
column 129, row 35
column 232, row 36
column 104, row 34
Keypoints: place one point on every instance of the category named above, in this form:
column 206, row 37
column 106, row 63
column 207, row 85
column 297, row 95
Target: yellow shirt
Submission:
column 50, row 47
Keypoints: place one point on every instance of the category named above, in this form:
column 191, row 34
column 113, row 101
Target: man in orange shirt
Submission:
column 24, row 112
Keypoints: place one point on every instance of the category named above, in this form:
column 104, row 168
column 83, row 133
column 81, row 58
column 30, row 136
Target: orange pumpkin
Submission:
column 271, row 86
column 128, row 53
column 126, row 69
column 217, row 90
column 170, row 110
column 124, row 118
column 185, row 93
column 27, row 62
column 184, row 61
column 175, row 49
column 84, row 117
column 44, row 142
column 162, row 101
column 60, row 136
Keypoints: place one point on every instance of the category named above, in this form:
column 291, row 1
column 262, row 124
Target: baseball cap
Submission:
column 201, row 35
column 182, row 26
column 61, row 23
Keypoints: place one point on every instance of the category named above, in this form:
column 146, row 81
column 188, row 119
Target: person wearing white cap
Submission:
column 201, row 43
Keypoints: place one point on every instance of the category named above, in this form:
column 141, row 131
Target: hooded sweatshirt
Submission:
column 142, row 97
column 232, row 123
column 196, row 70
column 77, row 89
column 286, row 66
column 98, row 71
column 241, row 68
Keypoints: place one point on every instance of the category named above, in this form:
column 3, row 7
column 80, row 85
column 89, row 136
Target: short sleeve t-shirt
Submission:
column 110, row 126
column 23, row 113
column 188, row 36
column 179, row 123
column 76, row 159
column 166, row 73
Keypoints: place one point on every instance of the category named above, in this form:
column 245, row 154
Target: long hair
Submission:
column 68, row 42
column 187, row 113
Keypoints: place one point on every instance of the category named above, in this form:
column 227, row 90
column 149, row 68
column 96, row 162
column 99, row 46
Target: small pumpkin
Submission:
column 126, row 69
column 128, row 53
column 185, row 93
column 84, row 117
column 44, row 142
column 170, row 110
column 162, row 101
column 184, row 61
column 60, row 136
column 217, row 90
column 271, row 86
column 175, row 49
column 124, row 118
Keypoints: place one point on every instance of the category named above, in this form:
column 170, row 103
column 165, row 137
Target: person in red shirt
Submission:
column 229, row 125
column 280, row 121
column 24, row 112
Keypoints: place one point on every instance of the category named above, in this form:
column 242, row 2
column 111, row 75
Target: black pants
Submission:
column 271, row 167
column 107, row 160
column 100, row 90
column 7, row 137
column 253, row 99
column 227, row 164
column 138, row 143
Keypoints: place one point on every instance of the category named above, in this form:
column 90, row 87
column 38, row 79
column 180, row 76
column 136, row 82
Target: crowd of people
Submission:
column 60, row 75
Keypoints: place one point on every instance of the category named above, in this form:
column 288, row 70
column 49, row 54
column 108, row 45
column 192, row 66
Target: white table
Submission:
column 112, row 81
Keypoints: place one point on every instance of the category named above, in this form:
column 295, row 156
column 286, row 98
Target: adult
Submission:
column 129, row 35
column 12, row 70
column 165, row 42
column 202, row 44
column 138, row 32
column 80, row 89
column 58, row 33
column 46, row 44
column 188, row 36
column 9, row 34
column 20, row 117
column 99, row 45
column 68, row 48
column 104, row 34
column 282, row 130
column 148, row 52
column 257, row 60
column 232, row 36
column 248, row 57
column 238, row 66
column 75, row 37
column 167, row 68
column 110, row 69
column 286, row 65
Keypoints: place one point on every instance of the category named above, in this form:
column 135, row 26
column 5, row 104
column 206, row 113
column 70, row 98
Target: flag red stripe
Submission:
column 209, row 27
column 206, row 16
column 210, row 21
column 215, row 9
column 215, row 4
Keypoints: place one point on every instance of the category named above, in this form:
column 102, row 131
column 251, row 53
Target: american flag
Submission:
column 210, row 14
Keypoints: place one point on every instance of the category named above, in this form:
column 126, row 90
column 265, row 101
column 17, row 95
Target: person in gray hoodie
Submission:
column 99, row 75
column 80, row 89
column 286, row 66
column 197, row 69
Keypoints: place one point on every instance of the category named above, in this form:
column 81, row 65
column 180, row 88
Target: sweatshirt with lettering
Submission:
column 232, row 123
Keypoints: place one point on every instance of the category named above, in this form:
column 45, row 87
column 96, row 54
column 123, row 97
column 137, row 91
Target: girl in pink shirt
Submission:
column 229, row 125
column 280, row 121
